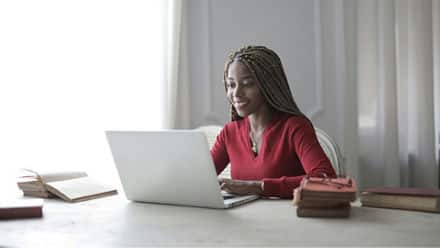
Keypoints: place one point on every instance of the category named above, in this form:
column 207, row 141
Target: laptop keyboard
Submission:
column 227, row 196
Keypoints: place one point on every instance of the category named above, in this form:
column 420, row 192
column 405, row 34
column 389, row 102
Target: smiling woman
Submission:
column 70, row 70
column 269, row 142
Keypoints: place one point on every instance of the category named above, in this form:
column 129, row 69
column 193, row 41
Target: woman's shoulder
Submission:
column 234, row 126
column 293, row 125
column 295, row 121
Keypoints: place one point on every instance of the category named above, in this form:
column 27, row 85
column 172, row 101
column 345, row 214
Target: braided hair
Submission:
column 266, row 67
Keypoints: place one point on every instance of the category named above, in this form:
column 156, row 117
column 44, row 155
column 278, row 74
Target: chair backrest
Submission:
column 332, row 151
column 330, row 148
column 211, row 132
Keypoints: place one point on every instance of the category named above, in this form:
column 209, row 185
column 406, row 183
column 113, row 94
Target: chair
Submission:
column 211, row 132
column 330, row 148
column 332, row 151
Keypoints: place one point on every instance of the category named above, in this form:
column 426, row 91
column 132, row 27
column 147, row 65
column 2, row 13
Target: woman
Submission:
column 269, row 142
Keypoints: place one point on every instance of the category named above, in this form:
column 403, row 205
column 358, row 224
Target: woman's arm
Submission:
column 219, row 152
column 312, row 157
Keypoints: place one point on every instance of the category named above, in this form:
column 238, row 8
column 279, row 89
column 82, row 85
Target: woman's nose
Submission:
column 237, row 91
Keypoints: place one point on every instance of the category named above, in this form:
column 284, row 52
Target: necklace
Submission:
column 253, row 143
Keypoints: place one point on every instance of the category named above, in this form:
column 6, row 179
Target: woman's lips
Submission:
column 240, row 104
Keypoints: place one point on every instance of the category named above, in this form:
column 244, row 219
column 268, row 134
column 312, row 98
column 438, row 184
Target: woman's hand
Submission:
column 241, row 187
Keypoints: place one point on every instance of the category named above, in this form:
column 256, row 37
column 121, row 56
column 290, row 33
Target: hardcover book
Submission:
column 20, row 208
column 341, row 211
column 324, row 197
column 333, row 189
column 419, row 199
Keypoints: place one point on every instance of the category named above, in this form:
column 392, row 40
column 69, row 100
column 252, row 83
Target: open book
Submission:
column 71, row 186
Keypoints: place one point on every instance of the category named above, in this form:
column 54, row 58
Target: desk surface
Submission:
column 115, row 222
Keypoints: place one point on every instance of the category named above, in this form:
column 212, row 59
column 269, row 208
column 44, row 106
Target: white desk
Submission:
column 115, row 222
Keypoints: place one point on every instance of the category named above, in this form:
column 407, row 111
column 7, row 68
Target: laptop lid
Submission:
column 170, row 167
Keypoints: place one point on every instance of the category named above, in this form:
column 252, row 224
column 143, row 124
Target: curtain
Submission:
column 69, row 71
column 176, row 100
column 397, row 50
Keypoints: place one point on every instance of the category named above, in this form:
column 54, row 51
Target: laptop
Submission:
column 169, row 167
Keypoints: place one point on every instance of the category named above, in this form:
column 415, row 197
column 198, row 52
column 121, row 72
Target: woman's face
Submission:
column 242, row 90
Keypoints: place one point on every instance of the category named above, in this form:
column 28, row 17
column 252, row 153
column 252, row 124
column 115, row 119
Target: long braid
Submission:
column 266, row 66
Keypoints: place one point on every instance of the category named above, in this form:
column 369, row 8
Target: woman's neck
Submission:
column 258, row 121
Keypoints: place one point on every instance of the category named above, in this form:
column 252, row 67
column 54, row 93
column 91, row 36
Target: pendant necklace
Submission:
column 253, row 143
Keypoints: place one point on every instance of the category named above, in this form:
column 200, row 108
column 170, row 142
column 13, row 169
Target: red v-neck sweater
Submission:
column 289, row 150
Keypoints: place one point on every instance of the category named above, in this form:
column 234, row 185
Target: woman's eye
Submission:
column 247, row 83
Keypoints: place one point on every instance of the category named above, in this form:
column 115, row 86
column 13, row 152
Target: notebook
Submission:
column 169, row 167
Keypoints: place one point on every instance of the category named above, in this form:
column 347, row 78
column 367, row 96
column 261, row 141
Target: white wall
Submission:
column 309, row 37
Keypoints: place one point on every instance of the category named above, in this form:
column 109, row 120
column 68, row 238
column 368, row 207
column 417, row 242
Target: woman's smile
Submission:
column 240, row 104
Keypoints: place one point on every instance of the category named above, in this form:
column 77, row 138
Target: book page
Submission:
column 78, row 189
column 52, row 176
column 60, row 176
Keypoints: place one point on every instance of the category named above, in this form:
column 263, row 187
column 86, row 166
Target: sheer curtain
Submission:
column 177, row 90
column 71, row 70
column 398, row 92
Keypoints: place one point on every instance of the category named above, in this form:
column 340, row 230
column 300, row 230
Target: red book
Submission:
column 334, row 189
column 324, row 197
column 342, row 211
column 21, row 208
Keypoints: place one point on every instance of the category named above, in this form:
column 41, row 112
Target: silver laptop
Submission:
column 169, row 167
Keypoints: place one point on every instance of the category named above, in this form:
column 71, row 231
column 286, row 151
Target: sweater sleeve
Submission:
column 312, row 157
column 219, row 152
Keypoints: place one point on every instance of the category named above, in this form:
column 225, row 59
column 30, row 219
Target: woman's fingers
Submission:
column 241, row 187
column 225, row 180
column 225, row 187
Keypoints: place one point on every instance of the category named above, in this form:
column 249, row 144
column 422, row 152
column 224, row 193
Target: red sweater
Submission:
column 289, row 150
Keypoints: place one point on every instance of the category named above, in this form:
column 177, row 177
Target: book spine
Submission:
column 319, row 212
column 426, row 204
column 403, row 207
column 323, row 204
column 41, row 194
column 15, row 213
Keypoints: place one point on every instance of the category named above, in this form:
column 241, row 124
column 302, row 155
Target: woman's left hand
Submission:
column 241, row 187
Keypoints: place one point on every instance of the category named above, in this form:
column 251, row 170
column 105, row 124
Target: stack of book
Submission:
column 324, row 197
column 71, row 186
column 417, row 199
column 33, row 183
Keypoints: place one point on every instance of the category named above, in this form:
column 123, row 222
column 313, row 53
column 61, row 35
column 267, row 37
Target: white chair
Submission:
column 211, row 132
column 330, row 148
column 332, row 151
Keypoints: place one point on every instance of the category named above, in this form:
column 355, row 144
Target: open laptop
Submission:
column 169, row 167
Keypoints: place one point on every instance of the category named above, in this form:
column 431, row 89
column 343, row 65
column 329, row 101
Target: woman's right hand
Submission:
column 241, row 187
